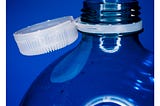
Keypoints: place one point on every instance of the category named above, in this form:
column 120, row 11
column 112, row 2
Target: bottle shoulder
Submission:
column 83, row 74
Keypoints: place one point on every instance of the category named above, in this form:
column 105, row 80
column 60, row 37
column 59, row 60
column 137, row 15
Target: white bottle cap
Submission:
column 46, row 36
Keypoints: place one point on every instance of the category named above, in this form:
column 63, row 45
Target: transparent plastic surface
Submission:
column 103, row 70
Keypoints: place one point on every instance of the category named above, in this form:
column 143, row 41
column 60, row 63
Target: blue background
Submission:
column 22, row 70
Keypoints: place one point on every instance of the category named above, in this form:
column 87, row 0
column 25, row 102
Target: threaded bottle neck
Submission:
column 110, row 12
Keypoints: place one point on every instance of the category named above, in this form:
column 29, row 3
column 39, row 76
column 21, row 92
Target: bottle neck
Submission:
column 113, row 44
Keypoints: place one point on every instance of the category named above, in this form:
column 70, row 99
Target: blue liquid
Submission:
column 103, row 70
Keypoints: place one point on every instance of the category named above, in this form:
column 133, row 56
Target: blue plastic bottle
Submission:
column 104, row 69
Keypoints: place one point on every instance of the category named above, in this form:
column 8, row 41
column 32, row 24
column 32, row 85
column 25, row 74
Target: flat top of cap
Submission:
column 43, row 25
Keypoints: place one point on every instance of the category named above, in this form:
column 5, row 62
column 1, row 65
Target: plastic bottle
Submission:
column 105, row 69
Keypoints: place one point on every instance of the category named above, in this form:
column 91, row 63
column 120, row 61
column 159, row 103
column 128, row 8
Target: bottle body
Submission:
column 101, row 70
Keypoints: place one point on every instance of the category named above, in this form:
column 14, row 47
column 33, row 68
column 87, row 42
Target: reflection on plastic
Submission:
column 109, row 50
column 73, row 63
column 109, row 99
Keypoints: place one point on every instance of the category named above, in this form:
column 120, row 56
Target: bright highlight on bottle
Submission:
column 110, row 50
column 106, row 99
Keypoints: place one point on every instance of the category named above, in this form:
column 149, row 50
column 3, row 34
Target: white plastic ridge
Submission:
column 107, row 28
